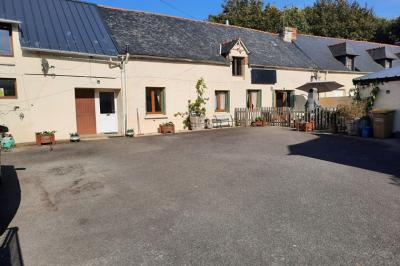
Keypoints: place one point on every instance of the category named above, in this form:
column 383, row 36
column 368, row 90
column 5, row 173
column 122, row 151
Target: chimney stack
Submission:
column 289, row 34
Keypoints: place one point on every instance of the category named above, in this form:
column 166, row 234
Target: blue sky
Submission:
column 200, row 9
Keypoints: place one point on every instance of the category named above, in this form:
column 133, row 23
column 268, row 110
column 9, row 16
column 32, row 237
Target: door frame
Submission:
column 97, row 108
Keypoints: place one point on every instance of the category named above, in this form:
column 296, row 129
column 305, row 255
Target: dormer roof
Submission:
column 228, row 46
column 381, row 53
column 342, row 49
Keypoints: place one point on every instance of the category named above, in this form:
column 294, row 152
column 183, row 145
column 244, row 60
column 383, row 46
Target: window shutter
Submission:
column 228, row 101
column 247, row 99
column 273, row 98
column 292, row 99
column 259, row 98
column 164, row 101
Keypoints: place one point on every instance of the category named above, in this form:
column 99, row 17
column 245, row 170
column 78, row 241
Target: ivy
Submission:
column 371, row 99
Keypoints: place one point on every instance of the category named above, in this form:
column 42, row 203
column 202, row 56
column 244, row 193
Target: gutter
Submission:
column 10, row 21
column 62, row 52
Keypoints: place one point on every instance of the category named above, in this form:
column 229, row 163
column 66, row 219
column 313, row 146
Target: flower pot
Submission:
column 74, row 138
column 260, row 123
column 197, row 122
column 167, row 129
column 45, row 139
column 130, row 133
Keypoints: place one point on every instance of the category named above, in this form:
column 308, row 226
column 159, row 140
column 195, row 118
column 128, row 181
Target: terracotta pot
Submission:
column 45, row 139
column 167, row 129
column 260, row 123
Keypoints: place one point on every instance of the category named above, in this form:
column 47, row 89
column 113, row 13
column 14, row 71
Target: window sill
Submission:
column 155, row 117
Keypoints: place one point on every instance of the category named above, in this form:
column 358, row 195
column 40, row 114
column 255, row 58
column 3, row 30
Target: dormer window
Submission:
column 350, row 62
column 344, row 53
column 6, row 48
column 237, row 53
column 382, row 56
column 237, row 66
column 386, row 63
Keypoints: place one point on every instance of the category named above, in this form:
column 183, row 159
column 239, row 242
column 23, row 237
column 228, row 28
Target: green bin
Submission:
column 383, row 123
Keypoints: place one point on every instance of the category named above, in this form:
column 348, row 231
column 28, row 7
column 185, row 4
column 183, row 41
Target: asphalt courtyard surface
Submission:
column 247, row 196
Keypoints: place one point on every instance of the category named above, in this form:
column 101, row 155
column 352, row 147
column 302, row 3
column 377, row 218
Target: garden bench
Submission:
column 222, row 119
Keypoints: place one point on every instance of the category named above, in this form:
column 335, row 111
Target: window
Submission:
column 107, row 103
column 8, row 88
column 350, row 62
column 237, row 66
column 5, row 40
column 222, row 101
column 388, row 63
column 155, row 100
column 253, row 99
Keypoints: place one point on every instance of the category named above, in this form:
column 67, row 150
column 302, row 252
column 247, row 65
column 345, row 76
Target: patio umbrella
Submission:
column 321, row 86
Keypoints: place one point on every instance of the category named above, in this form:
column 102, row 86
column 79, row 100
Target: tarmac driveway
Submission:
column 247, row 196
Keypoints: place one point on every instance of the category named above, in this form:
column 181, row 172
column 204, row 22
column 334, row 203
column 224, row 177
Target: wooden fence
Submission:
column 324, row 118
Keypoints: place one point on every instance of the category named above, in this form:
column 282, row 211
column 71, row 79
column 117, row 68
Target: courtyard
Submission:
column 244, row 196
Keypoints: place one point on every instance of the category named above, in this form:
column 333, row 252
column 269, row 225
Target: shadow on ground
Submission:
column 10, row 249
column 360, row 153
column 10, row 198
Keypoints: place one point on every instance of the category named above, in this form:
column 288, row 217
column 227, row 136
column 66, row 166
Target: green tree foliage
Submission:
column 331, row 18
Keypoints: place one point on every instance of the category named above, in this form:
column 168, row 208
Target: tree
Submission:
column 341, row 18
column 295, row 17
column 330, row 18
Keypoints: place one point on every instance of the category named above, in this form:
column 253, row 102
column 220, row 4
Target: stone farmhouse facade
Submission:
column 72, row 66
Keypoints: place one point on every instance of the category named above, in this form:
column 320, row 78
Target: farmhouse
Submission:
column 72, row 66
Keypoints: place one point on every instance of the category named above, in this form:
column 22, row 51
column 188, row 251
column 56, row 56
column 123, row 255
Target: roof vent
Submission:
column 227, row 22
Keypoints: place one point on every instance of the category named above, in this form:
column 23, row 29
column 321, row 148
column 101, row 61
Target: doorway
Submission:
column 85, row 111
column 106, row 112
column 284, row 98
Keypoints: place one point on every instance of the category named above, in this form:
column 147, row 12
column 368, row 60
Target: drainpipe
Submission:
column 124, row 63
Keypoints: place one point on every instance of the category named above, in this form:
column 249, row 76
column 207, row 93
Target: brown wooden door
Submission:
column 85, row 111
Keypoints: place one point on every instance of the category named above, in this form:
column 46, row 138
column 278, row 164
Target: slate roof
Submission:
column 383, row 75
column 342, row 49
column 381, row 53
column 227, row 47
column 60, row 25
column 317, row 48
column 175, row 38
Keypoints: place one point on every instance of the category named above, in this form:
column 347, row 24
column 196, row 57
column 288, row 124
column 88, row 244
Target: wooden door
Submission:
column 85, row 111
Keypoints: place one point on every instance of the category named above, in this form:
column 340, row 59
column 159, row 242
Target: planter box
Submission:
column 167, row 129
column 45, row 139
column 306, row 126
column 262, row 123
column 197, row 122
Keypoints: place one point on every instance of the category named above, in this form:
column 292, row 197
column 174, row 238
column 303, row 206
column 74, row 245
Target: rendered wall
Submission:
column 388, row 98
column 48, row 102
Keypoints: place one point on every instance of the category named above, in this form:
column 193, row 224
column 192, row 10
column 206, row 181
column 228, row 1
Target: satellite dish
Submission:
column 45, row 66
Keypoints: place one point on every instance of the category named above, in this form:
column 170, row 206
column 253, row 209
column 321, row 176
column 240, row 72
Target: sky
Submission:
column 200, row 9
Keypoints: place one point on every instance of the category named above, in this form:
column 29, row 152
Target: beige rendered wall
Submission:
column 388, row 98
column 48, row 102
column 179, row 81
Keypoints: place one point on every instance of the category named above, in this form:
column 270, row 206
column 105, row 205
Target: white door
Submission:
column 106, row 112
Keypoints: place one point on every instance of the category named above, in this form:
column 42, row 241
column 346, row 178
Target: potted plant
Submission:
column 167, row 128
column 194, row 118
column 74, row 137
column 260, row 121
column 45, row 137
column 130, row 133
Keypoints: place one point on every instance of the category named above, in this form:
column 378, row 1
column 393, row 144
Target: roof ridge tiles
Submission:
column 184, row 19
column 344, row 39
